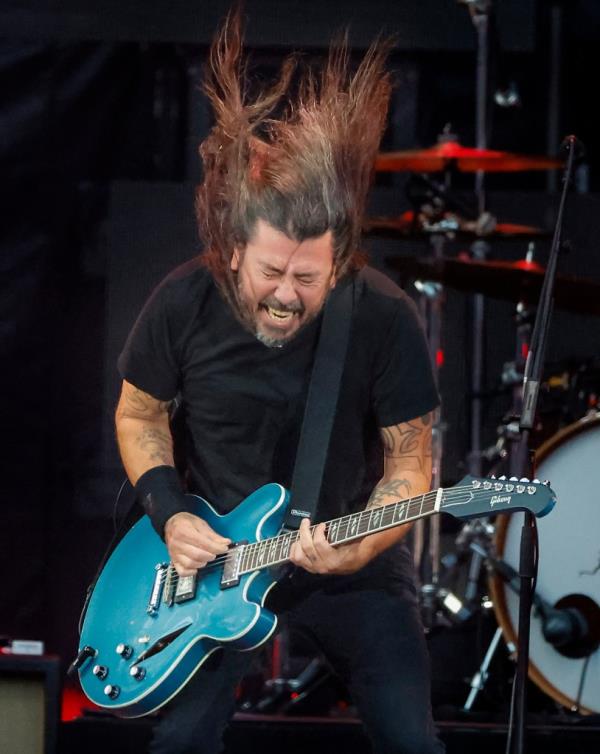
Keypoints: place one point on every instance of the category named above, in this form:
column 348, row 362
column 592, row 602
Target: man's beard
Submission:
column 250, row 318
column 269, row 341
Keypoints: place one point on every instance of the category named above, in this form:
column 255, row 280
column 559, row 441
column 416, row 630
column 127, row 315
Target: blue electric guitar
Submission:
column 146, row 631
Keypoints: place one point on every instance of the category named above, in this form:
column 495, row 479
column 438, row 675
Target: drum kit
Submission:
column 481, row 566
column 565, row 631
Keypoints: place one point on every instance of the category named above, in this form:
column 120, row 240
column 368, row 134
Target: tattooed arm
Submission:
column 145, row 442
column 406, row 470
column 143, row 432
column 406, row 473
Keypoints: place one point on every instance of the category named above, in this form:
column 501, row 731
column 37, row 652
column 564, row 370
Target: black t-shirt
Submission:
column 243, row 402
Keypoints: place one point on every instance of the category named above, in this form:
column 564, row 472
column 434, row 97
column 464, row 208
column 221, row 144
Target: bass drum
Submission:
column 569, row 563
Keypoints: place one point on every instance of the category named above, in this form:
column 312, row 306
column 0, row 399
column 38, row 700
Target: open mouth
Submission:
column 279, row 316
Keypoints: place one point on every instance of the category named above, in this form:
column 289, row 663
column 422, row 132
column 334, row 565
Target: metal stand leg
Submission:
column 429, row 567
column 481, row 676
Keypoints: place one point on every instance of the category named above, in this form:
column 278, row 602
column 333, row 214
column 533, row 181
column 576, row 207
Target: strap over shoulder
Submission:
column 321, row 403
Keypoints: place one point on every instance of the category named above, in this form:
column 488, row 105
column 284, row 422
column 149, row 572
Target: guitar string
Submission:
column 360, row 517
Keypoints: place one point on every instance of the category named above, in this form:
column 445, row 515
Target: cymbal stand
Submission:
column 431, row 305
column 480, row 11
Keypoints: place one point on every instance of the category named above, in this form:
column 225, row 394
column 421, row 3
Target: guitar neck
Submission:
column 339, row 531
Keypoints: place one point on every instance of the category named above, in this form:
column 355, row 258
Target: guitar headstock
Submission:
column 486, row 496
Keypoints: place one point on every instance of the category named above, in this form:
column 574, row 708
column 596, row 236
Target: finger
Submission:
column 186, row 542
column 299, row 558
column 184, row 567
column 186, row 532
column 309, row 557
column 197, row 556
column 211, row 534
column 181, row 571
column 320, row 543
column 193, row 529
column 306, row 540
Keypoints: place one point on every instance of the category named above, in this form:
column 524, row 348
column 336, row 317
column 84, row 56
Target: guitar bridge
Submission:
column 157, row 588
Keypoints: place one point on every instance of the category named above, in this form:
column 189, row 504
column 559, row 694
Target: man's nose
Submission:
column 285, row 292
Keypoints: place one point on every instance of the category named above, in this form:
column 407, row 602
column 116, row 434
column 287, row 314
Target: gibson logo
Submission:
column 497, row 499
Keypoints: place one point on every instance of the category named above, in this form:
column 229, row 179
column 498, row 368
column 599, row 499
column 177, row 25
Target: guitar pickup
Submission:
column 232, row 567
column 185, row 588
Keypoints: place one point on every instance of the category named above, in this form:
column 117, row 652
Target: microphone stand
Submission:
column 531, row 383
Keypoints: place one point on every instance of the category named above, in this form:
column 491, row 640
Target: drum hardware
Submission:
column 481, row 676
column 411, row 225
column 436, row 210
column 565, row 656
column 451, row 155
column 571, row 626
column 511, row 281
column 428, row 569
column 282, row 694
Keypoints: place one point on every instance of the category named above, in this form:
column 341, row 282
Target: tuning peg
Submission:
column 502, row 478
column 524, row 480
column 536, row 481
column 546, row 482
column 514, row 479
column 492, row 476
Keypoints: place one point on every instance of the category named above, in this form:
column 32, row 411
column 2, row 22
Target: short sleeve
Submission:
column 404, row 385
column 151, row 357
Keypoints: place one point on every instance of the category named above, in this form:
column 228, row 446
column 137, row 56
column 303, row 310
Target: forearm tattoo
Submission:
column 158, row 445
column 396, row 488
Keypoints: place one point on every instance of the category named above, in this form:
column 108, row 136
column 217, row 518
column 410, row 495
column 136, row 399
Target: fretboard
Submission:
column 276, row 550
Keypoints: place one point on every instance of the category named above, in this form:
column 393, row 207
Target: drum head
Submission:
column 569, row 561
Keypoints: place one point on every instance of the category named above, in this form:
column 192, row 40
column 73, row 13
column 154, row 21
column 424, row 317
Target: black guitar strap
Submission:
column 321, row 403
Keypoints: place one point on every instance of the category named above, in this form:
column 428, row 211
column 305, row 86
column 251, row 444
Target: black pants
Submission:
column 374, row 640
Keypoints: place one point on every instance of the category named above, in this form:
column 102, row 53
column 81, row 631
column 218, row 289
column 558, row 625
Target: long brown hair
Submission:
column 306, row 171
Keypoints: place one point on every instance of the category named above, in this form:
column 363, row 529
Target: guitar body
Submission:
column 146, row 631
column 117, row 614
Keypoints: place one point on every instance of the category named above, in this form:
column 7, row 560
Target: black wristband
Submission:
column 161, row 496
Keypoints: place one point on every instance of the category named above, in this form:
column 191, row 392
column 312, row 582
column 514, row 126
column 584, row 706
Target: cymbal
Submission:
column 513, row 281
column 410, row 224
column 449, row 154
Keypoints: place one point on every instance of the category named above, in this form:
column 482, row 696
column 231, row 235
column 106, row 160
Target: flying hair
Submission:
column 304, row 172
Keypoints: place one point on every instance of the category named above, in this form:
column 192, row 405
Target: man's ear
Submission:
column 235, row 260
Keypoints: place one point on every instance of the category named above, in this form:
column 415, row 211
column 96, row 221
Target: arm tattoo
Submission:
column 138, row 401
column 157, row 444
column 398, row 488
column 409, row 441
column 401, row 439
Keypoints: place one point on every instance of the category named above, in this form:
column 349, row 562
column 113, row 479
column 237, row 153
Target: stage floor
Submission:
column 297, row 735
